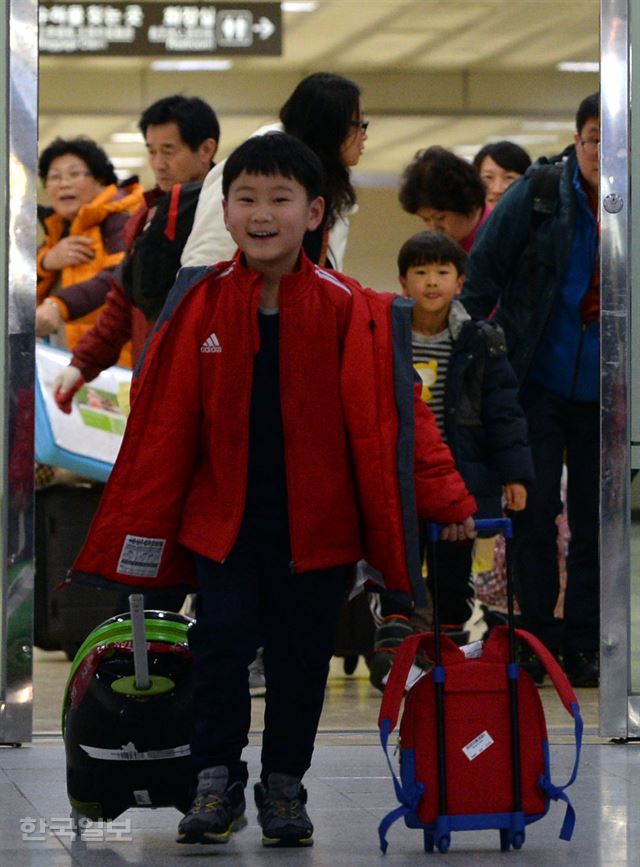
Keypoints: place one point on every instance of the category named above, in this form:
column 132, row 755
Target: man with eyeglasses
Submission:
column 536, row 261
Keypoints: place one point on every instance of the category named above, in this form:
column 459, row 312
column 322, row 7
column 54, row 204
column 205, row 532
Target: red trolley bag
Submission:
column 474, row 750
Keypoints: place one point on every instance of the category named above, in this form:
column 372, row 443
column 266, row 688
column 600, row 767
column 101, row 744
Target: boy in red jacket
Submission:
column 275, row 440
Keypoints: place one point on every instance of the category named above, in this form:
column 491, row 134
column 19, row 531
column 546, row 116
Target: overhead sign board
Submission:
column 160, row 28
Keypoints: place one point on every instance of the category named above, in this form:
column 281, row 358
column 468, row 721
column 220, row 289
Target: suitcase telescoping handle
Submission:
column 140, row 660
column 487, row 526
column 483, row 525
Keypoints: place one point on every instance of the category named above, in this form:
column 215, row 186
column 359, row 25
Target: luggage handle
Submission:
column 483, row 525
column 140, row 659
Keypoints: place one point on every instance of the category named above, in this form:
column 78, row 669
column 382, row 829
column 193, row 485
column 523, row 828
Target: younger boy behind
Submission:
column 264, row 453
column 469, row 385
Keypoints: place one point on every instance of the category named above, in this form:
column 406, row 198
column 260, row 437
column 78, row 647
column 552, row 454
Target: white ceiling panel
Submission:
column 389, row 47
column 450, row 72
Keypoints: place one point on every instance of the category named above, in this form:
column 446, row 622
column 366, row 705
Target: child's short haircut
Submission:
column 427, row 248
column 275, row 154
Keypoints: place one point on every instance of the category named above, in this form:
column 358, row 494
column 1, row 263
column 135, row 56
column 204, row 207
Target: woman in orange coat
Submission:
column 83, row 242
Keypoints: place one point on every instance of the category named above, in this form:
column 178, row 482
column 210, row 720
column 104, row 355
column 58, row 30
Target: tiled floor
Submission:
column 349, row 792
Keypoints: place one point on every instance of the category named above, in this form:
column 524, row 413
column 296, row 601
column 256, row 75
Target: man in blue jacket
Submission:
column 536, row 261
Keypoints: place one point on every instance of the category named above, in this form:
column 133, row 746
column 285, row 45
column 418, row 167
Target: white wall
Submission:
column 378, row 230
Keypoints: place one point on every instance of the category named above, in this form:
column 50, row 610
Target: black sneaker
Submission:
column 389, row 636
column 492, row 617
column 582, row 668
column 217, row 811
column 281, row 812
column 456, row 632
column 257, row 680
column 530, row 663
column 350, row 663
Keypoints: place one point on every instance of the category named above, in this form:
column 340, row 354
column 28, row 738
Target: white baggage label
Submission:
column 140, row 556
column 477, row 746
column 415, row 673
column 473, row 650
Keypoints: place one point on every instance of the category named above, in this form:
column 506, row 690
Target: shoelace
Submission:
column 206, row 803
column 286, row 809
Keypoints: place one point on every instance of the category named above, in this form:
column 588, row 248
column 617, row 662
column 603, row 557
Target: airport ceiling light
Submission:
column 191, row 65
column 578, row 66
column 298, row 6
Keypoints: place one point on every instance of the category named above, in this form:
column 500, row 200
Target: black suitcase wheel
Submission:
column 443, row 843
column 509, row 839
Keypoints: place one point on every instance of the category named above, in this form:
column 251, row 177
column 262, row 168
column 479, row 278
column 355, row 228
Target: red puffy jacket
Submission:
column 349, row 408
column 119, row 321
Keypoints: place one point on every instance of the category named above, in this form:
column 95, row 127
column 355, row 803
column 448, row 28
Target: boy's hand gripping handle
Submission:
column 483, row 526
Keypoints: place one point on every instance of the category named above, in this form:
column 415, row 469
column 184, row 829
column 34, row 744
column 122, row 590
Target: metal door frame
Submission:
column 618, row 716
column 619, row 710
column 18, row 160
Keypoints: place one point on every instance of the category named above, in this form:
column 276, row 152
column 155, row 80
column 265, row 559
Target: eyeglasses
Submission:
column 590, row 146
column 56, row 179
column 361, row 125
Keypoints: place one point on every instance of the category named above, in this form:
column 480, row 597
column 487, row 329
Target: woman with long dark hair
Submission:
column 324, row 111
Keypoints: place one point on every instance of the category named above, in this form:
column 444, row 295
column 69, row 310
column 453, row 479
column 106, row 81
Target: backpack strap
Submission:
column 408, row 795
column 545, row 189
column 172, row 213
column 403, row 659
column 553, row 668
column 568, row 698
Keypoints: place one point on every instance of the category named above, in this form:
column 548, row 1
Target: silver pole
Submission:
column 18, row 158
column 615, row 252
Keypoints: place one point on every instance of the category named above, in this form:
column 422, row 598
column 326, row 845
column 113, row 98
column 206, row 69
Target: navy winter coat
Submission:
column 533, row 260
column 484, row 424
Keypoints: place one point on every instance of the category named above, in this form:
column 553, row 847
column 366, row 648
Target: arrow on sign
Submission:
column 264, row 28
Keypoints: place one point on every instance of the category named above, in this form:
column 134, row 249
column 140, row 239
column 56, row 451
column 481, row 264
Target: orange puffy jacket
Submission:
column 79, row 290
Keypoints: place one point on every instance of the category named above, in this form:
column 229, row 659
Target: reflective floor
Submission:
column 349, row 792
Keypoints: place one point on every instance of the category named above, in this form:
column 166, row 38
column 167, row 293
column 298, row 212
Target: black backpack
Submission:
column 149, row 269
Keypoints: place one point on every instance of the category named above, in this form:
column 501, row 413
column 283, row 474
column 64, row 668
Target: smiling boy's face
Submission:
column 267, row 216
